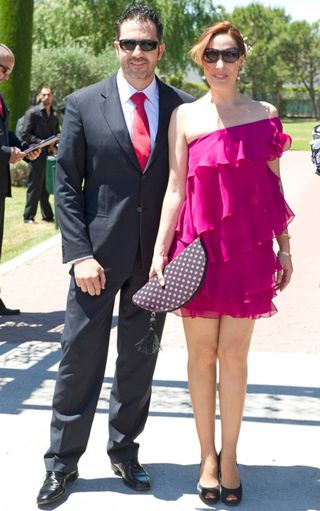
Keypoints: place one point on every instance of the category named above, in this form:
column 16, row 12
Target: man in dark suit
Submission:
column 39, row 122
column 11, row 151
column 112, row 172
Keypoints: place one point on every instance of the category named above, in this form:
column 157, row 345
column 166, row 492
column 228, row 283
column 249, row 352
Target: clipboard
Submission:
column 44, row 143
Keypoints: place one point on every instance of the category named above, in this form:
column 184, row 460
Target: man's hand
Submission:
column 53, row 149
column 90, row 276
column 33, row 155
column 16, row 155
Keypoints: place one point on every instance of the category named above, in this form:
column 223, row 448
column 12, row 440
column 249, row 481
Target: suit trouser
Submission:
column 85, row 344
column 37, row 191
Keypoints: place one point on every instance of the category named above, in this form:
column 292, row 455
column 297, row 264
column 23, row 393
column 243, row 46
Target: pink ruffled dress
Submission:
column 234, row 203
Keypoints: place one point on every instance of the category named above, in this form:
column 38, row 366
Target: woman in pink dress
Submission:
column 225, row 187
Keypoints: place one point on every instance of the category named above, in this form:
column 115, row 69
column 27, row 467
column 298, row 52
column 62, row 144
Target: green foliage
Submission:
column 178, row 80
column 16, row 32
column 19, row 174
column 195, row 89
column 300, row 49
column 69, row 68
column 91, row 24
column 280, row 51
column 263, row 77
column 85, row 23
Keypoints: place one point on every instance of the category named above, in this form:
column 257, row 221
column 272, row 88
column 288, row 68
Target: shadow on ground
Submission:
column 265, row 487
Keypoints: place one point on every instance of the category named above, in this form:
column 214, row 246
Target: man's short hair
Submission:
column 46, row 86
column 141, row 13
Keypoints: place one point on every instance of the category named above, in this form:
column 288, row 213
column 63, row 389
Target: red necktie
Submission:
column 140, row 130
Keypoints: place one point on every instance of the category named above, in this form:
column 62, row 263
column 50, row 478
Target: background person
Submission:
column 10, row 152
column 112, row 172
column 225, row 187
column 39, row 122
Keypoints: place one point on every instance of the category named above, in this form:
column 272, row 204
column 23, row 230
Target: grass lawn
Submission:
column 18, row 236
column 301, row 132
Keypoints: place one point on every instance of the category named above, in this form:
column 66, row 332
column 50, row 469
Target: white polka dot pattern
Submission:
column 183, row 277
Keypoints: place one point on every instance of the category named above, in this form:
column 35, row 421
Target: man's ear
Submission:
column 162, row 49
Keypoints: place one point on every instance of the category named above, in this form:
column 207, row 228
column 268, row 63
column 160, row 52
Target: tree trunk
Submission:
column 313, row 99
column 16, row 32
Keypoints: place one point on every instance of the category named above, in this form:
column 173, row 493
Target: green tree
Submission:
column 91, row 24
column 16, row 32
column 264, row 74
column 300, row 50
column 69, row 68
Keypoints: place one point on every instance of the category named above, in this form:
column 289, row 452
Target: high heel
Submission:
column 209, row 496
column 226, row 493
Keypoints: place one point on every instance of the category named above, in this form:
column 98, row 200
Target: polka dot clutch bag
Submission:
column 183, row 278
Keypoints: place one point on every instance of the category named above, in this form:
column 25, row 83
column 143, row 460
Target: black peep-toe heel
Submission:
column 209, row 496
column 228, row 492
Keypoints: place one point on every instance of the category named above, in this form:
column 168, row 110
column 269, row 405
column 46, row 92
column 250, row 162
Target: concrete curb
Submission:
column 29, row 254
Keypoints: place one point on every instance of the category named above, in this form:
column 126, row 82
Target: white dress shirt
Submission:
column 151, row 106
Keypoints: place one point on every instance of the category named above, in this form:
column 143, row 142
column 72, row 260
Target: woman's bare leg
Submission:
column 233, row 346
column 202, row 340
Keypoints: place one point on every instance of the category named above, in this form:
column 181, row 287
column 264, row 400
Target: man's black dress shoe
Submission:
column 54, row 486
column 133, row 474
column 4, row 311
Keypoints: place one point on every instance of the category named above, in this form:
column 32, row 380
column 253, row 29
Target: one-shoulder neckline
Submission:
column 205, row 135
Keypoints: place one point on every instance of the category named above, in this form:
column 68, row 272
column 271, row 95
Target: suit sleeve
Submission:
column 14, row 141
column 5, row 151
column 69, row 197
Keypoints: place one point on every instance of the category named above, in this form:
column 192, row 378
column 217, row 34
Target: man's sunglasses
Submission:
column 6, row 70
column 230, row 55
column 144, row 44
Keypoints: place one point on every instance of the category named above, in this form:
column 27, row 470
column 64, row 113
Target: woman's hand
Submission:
column 284, row 275
column 157, row 267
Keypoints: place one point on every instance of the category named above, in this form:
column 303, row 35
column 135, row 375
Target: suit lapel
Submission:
column 165, row 110
column 113, row 114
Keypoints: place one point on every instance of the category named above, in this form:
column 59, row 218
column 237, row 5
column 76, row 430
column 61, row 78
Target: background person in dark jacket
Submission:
column 11, row 151
column 40, row 122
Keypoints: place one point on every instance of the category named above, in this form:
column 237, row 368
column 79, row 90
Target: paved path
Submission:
column 279, row 449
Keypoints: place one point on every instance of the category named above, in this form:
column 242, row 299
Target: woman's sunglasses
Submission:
column 230, row 55
column 144, row 44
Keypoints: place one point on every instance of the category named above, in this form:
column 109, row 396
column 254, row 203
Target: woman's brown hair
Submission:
column 223, row 27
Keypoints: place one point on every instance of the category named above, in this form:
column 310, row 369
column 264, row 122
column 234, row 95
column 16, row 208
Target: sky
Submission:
column 308, row 10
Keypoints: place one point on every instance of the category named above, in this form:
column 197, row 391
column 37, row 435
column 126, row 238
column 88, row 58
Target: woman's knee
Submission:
column 203, row 357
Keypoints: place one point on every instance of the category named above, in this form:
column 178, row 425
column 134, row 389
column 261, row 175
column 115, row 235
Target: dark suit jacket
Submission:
column 7, row 140
column 105, row 205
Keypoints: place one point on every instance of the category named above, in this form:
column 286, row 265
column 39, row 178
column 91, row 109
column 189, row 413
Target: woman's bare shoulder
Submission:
column 265, row 109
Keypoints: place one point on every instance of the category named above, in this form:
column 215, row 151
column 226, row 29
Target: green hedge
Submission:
column 16, row 32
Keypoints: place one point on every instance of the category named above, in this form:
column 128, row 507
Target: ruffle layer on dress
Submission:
column 234, row 202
